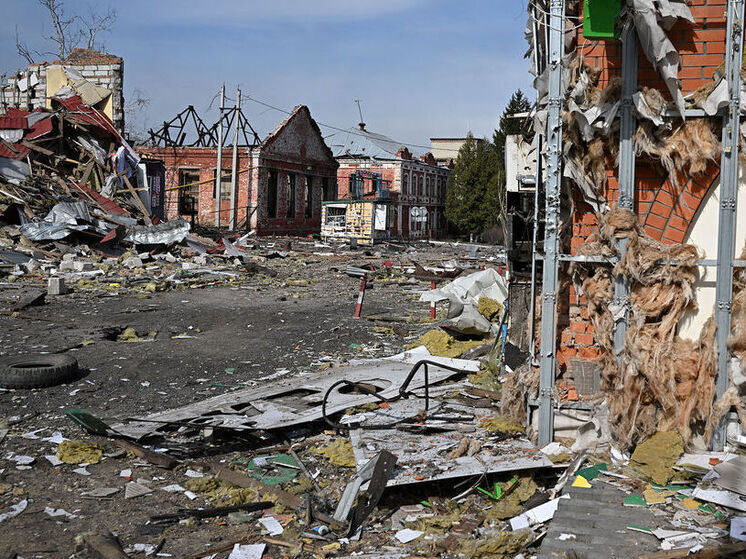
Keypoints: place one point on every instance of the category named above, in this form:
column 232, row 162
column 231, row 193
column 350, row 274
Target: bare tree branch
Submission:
column 95, row 23
column 22, row 49
column 66, row 35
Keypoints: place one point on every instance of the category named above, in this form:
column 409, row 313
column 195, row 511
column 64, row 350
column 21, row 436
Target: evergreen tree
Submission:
column 476, row 185
column 471, row 204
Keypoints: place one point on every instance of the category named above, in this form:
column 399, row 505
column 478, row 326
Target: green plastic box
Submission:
column 599, row 17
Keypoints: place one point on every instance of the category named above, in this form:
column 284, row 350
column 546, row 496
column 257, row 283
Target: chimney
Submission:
column 362, row 126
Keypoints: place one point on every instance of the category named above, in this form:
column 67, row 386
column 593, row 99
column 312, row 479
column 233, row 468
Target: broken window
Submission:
column 225, row 184
column 272, row 193
column 188, row 191
column 336, row 216
column 291, row 196
column 309, row 196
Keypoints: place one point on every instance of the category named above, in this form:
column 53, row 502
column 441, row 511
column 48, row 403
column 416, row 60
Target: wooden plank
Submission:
column 139, row 203
column 32, row 146
column 157, row 458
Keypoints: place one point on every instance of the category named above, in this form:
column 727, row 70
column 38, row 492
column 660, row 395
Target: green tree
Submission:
column 471, row 204
column 508, row 126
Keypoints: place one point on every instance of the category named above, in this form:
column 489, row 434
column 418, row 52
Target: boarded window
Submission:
column 309, row 196
column 189, row 194
column 272, row 194
column 291, row 196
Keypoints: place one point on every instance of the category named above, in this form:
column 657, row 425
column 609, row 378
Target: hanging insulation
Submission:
column 662, row 382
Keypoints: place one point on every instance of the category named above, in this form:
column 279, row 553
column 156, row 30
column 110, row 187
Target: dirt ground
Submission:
column 227, row 337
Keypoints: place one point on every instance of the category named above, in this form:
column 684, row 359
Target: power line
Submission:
column 347, row 131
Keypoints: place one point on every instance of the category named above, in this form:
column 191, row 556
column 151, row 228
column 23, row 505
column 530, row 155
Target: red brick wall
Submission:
column 666, row 211
column 252, row 184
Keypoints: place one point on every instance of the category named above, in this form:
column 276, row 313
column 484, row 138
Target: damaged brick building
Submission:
column 97, row 77
column 632, row 105
column 281, row 181
column 411, row 187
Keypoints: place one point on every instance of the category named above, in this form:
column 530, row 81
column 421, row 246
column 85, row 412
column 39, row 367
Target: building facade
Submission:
column 280, row 183
column 375, row 166
column 97, row 77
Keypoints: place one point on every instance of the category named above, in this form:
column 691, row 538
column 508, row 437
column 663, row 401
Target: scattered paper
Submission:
column 56, row 438
column 406, row 535
column 82, row 471
column 53, row 459
column 271, row 524
column 174, row 488
column 193, row 473
column 564, row 537
column 248, row 551
column 738, row 528
column 59, row 512
column 15, row 510
column 536, row 515
column 125, row 473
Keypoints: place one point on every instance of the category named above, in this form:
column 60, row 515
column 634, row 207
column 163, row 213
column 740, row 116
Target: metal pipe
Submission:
column 234, row 169
column 728, row 203
column 219, row 171
column 626, row 177
column 532, row 309
column 548, row 358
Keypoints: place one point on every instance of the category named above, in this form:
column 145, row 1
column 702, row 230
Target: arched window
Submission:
column 404, row 184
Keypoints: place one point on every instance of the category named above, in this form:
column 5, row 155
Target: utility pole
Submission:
column 553, row 136
column 234, row 171
column 219, row 172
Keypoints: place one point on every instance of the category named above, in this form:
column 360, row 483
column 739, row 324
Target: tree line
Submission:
column 476, row 185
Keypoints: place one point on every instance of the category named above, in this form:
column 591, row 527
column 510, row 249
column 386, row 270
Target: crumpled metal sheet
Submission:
column 644, row 110
column 297, row 400
column 69, row 213
column 162, row 234
column 12, row 170
column 463, row 295
column 652, row 18
column 46, row 231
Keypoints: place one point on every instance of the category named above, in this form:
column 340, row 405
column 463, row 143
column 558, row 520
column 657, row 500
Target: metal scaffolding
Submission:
column 728, row 202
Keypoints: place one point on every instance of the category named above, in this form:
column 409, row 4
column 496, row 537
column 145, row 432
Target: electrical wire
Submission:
column 338, row 129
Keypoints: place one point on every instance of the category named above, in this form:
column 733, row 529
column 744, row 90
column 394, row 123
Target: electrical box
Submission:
column 599, row 17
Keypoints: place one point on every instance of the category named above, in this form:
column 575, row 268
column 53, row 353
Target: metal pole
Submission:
column 728, row 202
column 532, row 308
column 234, row 168
column 626, row 175
column 551, row 227
column 219, row 172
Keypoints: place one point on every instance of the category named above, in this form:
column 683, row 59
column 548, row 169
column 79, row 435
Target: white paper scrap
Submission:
column 174, row 488
column 738, row 528
column 536, row 515
column 271, row 524
column 53, row 459
column 406, row 535
column 15, row 510
column 247, row 551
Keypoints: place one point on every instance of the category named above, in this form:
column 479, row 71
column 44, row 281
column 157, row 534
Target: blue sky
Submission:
column 422, row 68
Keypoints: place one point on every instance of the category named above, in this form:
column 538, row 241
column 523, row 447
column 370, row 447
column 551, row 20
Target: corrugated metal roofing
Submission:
column 362, row 143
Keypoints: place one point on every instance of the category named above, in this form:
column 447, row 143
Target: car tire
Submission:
column 36, row 371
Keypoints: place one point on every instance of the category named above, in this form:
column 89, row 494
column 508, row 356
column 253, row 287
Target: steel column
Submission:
column 234, row 168
column 532, row 309
column 626, row 174
column 219, row 172
column 728, row 201
column 553, row 137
